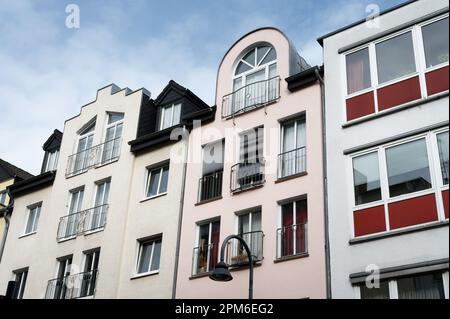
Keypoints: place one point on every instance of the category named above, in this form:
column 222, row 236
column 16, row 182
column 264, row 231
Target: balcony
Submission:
column 292, row 241
column 72, row 286
column 292, row 162
column 89, row 220
column 246, row 176
column 250, row 97
column 210, row 187
column 205, row 259
column 236, row 256
column 94, row 156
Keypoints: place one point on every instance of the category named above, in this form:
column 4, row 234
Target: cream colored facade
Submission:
column 128, row 219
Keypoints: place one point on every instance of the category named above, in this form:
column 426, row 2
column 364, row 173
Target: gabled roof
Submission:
column 53, row 142
column 182, row 91
column 8, row 171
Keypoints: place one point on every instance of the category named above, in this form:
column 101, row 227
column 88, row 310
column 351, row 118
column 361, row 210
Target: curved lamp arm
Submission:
column 250, row 259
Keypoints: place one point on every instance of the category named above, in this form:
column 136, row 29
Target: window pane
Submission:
column 272, row 71
column 395, row 58
column 358, row 71
column 376, row 293
column 36, row 218
column 435, row 41
column 144, row 261
column 443, row 155
column 156, row 256
column 242, row 67
column 408, row 169
column 250, row 57
column 213, row 157
column 262, row 52
column 164, row 180
column 270, row 57
column 114, row 117
column 153, row 185
column 176, row 114
column 167, row 117
column 429, row 286
column 366, row 178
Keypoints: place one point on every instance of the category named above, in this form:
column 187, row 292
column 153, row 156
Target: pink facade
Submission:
column 290, row 268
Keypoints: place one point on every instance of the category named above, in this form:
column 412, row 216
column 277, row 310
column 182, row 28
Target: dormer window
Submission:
column 255, row 81
column 51, row 161
column 170, row 115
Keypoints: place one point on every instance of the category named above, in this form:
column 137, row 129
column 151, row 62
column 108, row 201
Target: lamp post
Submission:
column 222, row 271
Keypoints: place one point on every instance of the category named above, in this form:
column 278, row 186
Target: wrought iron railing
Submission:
column 292, row 162
column 292, row 240
column 247, row 175
column 236, row 255
column 94, row 156
column 251, row 96
column 210, row 186
column 81, row 222
column 72, row 286
column 205, row 259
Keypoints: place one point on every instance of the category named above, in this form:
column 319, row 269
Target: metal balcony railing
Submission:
column 205, row 259
column 81, row 222
column 94, row 156
column 246, row 176
column 210, row 186
column 251, row 96
column 72, row 286
column 292, row 240
column 236, row 256
column 292, row 162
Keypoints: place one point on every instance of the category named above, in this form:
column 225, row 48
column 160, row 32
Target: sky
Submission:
column 48, row 71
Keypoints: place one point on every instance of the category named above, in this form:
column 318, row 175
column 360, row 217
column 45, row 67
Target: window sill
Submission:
column 288, row 178
column 153, row 197
column 66, row 239
column 208, row 201
column 202, row 275
column 27, row 235
column 289, row 258
column 143, row 275
column 399, row 232
column 396, row 109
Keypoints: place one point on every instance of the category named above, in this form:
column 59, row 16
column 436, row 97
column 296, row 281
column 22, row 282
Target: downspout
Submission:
column 325, row 186
column 7, row 215
column 180, row 218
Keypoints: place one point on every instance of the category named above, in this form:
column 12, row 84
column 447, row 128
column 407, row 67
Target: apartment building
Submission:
column 387, row 153
column 9, row 174
column 102, row 221
column 257, row 172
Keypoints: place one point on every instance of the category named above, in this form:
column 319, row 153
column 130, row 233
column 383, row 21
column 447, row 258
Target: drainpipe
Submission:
column 325, row 185
column 180, row 218
column 7, row 215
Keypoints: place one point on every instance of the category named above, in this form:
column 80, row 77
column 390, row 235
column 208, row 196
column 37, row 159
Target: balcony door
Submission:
column 293, row 234
column 73, row 218
column 97, row 216
column 250, row 229
column 111, row 148
column 85, row 141
column 89, row 276
column 293, row 147
column 212, row 172
column 250, row 169
column 64, row 265
column 208, row 247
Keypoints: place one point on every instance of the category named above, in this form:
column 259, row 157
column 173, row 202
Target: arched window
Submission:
column 254, row 79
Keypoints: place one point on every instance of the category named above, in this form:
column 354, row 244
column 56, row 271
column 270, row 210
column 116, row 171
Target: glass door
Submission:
column 73, row 218
column 98, row 217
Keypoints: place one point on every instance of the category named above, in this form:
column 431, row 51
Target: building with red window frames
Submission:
column 387, row 88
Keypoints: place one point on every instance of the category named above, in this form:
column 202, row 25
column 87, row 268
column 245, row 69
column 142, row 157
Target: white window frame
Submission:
column 108, row 126
column 22, row 282
column 294, row 222
column 421, row 69
column 94, row 206
column 436, row 180
column 197, row 242
column 52, row 161
column 393, row 287
column 162, row 115
column 152, row 242
column 35, row 222
column 149, row 171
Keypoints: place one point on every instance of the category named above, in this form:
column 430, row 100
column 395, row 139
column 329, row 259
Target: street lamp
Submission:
column 222, row 271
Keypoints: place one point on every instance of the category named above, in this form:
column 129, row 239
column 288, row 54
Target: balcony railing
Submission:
column 292, row 240
column 292, row 162
column 210, row 187
column 205, row 259
column 72, row 286
column 246, row 176
column 237, row 256
column 94, row 156
column 84, row 221
column 251, row 96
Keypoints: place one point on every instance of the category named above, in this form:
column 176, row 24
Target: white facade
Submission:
column 414, row 248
